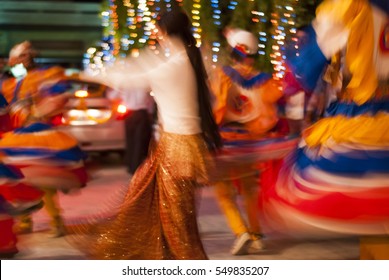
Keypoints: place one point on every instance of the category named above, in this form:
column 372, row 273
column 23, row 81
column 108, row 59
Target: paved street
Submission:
column 106, row 182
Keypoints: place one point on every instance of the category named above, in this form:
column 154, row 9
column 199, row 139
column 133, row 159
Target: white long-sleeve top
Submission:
column 172, row 81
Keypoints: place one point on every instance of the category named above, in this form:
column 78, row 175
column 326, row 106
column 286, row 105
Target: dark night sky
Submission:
column 79, row 1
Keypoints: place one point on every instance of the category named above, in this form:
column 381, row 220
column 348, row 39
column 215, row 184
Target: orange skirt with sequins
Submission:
column 157, row 217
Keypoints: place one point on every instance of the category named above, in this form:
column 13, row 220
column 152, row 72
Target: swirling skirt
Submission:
column 16, row 192
column 157, row 217
column 252, row 154
column 336, row 183
column 46, row 157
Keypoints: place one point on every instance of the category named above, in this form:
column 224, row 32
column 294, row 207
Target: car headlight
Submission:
column 86, row 117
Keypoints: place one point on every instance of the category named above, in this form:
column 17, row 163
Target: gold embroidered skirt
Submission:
column 157, row 218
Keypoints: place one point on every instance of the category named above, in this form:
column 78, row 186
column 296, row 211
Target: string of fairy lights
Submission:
column 283, row 21
column 216, row 17
column 195, row 13
column 140, row 23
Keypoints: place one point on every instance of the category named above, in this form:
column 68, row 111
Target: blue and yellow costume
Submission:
column 48, row 158
column 337, row 181
column 246, row 111
column 14, row 192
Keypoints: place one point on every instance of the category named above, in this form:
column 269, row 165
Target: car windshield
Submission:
column 93, row 89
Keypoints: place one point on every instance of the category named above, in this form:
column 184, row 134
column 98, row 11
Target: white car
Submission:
column 93, row 119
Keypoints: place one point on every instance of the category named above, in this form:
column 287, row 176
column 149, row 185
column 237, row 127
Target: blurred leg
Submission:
column 141, row 136
column 249, row 191
column 51, row 204
column 374, row 248
column 24, row 224
column 226, row 197
column 129, row 133
column 7, row 237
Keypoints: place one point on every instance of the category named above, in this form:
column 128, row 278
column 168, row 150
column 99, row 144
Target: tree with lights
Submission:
column 128, row 26
column 286, row 17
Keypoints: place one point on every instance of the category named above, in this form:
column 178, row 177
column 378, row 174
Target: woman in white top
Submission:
column 157, row 219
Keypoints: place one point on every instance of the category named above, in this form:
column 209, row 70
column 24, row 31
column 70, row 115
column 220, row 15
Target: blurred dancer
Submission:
column 16, row 197
column 157, row 219
column 47, row 158
column 245, row 109
column 138, row 125
column 337, row 181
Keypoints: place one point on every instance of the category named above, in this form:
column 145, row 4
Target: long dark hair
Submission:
column 177, row 23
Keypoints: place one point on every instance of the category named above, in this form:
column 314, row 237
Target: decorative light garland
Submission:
column 196, row 21
column 283, row 21
column 259, row 18
column 128, row 38
column 216, row 15
column 232, row 5
column 142, row 15
column 115, row 26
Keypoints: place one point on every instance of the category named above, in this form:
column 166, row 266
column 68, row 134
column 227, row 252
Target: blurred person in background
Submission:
column 3, row 67
column 138, row 124
column 47, row 158
column 157, row 218
column 336, row 183
column 5, row 121
column 245, row 108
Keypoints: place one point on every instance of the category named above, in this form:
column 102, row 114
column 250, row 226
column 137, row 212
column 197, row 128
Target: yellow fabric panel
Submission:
column 8, row 88
column 357, row 17
column 52, row 139
column 364, row 129
column 220, row 84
